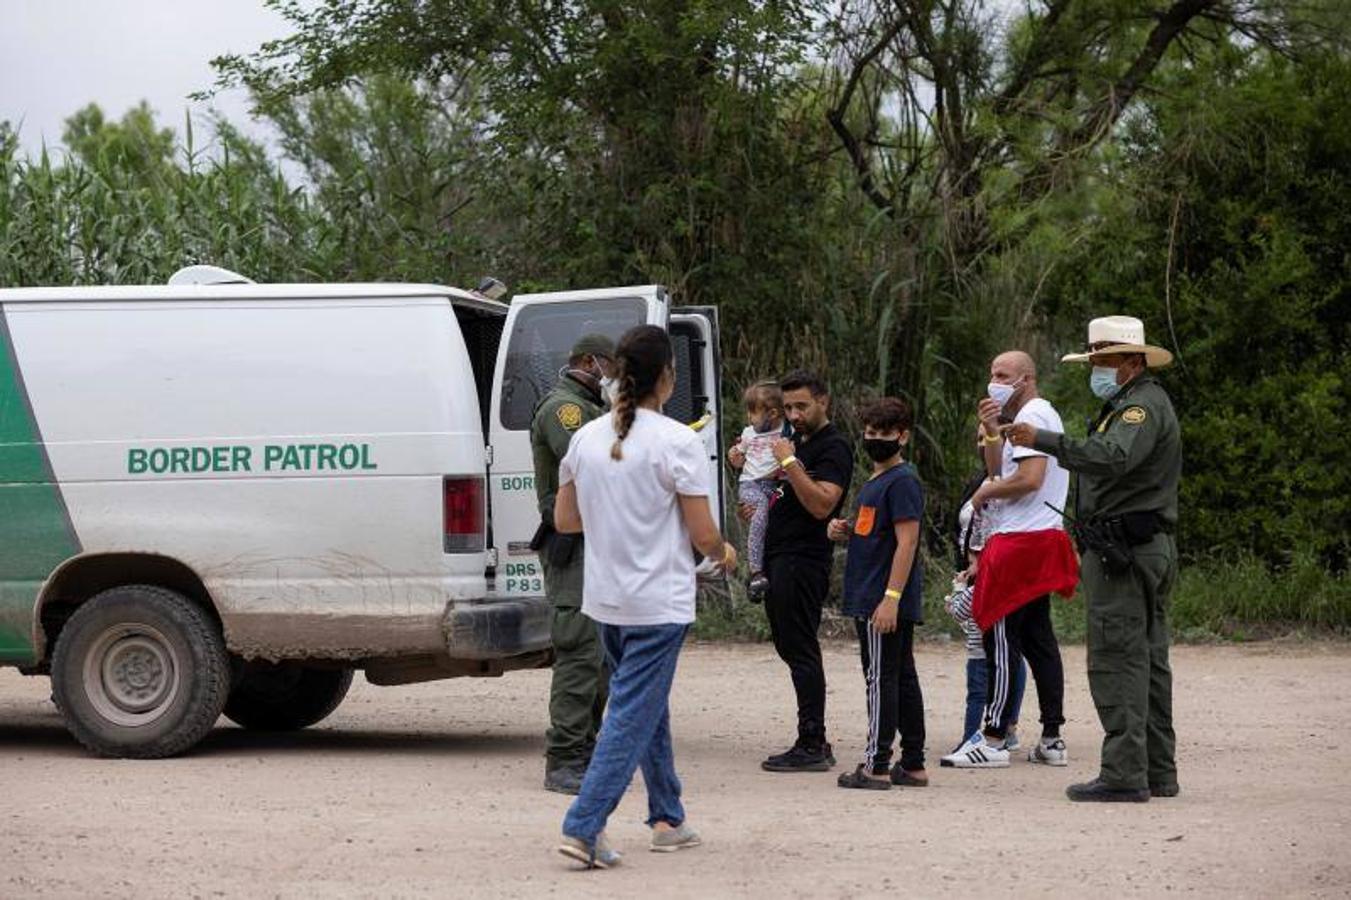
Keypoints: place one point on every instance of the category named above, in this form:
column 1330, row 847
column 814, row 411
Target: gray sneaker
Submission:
column 599, row 856
column 670, row 840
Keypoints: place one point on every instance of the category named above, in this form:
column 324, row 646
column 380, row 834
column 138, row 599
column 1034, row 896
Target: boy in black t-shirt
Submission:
column 883, row 589
column 817, row 466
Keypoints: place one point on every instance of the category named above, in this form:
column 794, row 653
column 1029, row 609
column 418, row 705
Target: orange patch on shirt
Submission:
column 867, row 515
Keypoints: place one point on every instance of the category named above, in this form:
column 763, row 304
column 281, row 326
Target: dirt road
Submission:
column 434, row 790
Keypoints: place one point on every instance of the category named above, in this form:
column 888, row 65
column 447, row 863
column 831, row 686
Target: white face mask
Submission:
column 609, row 389
column 1002, row 393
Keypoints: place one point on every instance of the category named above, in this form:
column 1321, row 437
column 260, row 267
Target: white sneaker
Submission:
column 1050, row 753
column 1011, row 741
column 977, row 754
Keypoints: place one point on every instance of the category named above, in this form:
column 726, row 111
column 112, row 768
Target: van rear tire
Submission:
column 140, row 672
column 285, row 696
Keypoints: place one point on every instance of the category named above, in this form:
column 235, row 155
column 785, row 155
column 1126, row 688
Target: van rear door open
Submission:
column 697, row 398
column 541, row 330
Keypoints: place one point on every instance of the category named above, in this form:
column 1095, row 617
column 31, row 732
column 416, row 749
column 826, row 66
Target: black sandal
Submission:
column 861, row 779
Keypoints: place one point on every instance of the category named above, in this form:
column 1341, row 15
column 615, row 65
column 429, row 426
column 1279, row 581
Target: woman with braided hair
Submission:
column 640, row 483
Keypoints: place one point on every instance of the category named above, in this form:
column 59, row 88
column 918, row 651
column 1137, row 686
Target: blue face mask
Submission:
column 1103, row 382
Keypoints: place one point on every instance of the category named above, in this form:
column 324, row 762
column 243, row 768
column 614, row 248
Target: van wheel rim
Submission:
column 131, row 674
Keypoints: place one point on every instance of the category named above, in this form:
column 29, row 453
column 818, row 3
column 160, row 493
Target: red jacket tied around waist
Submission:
column 1018, row 567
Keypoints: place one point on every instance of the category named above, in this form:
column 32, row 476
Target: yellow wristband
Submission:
column 787, row 461
column 989, row 439
column 892, row 594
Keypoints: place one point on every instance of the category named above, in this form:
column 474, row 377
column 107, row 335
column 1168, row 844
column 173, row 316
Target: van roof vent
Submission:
column 207, row 275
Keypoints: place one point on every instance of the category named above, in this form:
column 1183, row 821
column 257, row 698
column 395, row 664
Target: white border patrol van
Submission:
column 219, row 496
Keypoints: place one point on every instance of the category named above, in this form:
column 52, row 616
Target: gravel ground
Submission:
column 434, row 789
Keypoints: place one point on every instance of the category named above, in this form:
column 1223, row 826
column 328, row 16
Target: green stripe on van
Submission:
column 36, row 534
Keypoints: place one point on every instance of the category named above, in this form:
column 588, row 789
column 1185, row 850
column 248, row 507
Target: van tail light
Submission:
column 463, row 507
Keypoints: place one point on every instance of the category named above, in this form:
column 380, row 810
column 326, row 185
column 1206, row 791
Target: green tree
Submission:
column 134, row 144
column 622, row 143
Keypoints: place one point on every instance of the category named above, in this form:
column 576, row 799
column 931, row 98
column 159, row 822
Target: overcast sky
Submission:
column 58, row 55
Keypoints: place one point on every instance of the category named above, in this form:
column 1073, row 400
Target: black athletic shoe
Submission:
column 801, row 759
column 775, row 759
column 779, row 757
column 863, row 781
column 565, row 778
column 1164, row 790
column 1096, row 792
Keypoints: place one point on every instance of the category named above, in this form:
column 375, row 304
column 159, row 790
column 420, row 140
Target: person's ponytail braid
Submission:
column 643, row 354
column 625, row 411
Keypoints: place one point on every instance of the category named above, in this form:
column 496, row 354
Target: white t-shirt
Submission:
column 639, row 562
column 759, row 450
column 1030, row 512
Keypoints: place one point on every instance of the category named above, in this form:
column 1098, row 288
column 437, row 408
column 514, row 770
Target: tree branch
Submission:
column 852, row 145
column 1108, row 111
column 1038, row 54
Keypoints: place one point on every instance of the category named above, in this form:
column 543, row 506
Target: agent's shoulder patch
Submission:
column 1134, row 415
column 569, row 416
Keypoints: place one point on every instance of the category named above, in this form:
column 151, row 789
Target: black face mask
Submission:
column 879, row 449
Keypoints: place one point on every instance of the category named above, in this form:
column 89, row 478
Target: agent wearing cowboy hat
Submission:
column 1127, row 470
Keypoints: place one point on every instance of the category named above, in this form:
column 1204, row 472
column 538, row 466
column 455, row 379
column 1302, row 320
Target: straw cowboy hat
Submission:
column 1120, row 334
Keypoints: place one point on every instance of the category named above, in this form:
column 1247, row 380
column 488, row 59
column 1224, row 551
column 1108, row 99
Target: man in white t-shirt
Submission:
column 1027, row 558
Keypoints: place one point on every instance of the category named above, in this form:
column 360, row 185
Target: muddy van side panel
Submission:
column 35, row 529
column 291, row 452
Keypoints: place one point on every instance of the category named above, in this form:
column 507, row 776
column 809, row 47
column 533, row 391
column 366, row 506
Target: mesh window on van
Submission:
column 690, row 399
column 542, row 337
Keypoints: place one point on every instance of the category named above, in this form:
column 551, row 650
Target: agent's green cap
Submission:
column 594, row 345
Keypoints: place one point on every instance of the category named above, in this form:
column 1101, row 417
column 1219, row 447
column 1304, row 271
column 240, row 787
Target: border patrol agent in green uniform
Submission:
column 577, row 695
column 1127, row 470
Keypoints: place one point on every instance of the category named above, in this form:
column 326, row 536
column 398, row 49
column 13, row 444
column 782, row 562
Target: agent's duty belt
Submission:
column 1134, row 528
column 1113, row 538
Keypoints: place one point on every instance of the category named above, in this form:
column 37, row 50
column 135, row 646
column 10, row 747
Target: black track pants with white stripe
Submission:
column 895, row 701
column 1025, row 632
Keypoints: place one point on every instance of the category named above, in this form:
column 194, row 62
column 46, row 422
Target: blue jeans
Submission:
column 975, row 695
column 636, row 731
